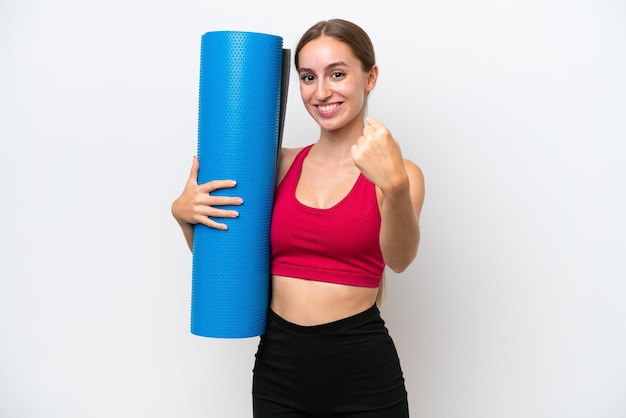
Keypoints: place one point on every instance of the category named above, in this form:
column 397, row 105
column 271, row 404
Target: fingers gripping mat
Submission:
column 239, row 127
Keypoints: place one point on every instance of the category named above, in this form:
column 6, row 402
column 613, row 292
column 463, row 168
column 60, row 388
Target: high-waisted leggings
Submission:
column 346, row 368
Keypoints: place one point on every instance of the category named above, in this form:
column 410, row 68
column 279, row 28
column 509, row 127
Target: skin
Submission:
column 334, row 91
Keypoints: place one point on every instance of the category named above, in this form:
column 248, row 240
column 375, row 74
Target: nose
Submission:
column 323, row 90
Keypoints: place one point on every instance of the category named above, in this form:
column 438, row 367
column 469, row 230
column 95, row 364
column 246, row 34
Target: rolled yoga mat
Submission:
column 242, row 96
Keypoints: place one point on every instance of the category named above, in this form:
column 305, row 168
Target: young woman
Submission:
column 345, row 207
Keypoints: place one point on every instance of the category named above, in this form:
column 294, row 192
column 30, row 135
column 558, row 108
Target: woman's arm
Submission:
column 401, row 184
column 400, row 210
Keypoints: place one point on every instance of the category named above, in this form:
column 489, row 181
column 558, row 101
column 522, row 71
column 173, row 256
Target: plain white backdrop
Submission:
column 515, row 110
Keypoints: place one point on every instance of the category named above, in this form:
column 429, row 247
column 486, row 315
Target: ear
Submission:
column 371, row 78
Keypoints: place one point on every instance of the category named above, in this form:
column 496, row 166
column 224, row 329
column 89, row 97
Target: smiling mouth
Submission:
column 328, row 107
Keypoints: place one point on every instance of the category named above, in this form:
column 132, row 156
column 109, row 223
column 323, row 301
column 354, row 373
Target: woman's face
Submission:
column 332, row 84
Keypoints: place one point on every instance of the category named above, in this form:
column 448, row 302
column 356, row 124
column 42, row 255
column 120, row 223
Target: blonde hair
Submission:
column 344, row 31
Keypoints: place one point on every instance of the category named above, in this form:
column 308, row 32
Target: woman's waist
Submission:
column 308, row 302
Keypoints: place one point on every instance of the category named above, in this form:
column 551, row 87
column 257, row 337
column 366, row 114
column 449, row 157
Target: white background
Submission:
column 515, row 110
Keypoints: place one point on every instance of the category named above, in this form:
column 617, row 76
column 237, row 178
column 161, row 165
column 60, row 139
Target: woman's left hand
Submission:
column 377, row 154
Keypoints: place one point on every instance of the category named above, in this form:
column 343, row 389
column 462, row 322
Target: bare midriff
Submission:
column 309, row 302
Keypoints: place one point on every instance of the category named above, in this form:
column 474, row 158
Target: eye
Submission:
column 307, row 78
column 337, row 74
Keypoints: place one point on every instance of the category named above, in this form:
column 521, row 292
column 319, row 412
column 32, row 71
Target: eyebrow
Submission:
column 334, row 64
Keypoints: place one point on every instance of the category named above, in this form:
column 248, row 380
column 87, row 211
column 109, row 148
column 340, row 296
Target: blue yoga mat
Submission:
column 242, row 96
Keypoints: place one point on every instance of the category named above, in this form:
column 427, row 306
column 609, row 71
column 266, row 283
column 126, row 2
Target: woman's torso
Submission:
column 311, row 302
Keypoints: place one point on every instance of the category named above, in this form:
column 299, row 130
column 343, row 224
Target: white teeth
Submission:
column 326, row 108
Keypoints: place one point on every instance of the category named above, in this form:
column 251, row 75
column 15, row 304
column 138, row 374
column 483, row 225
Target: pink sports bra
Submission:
column 336, row 245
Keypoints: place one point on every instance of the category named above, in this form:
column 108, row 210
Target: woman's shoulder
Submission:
column 285, row 159
column 414, row 171
column 416, row 181
column 290, row 153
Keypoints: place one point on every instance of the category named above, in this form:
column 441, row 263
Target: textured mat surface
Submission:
column 239, row 128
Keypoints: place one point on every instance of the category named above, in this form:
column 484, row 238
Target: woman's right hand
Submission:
column 196, row 205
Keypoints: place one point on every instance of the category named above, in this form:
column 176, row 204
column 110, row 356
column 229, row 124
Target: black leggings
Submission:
column 346, row 368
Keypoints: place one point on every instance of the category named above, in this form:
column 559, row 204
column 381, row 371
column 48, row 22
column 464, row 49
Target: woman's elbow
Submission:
column 401, row 264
